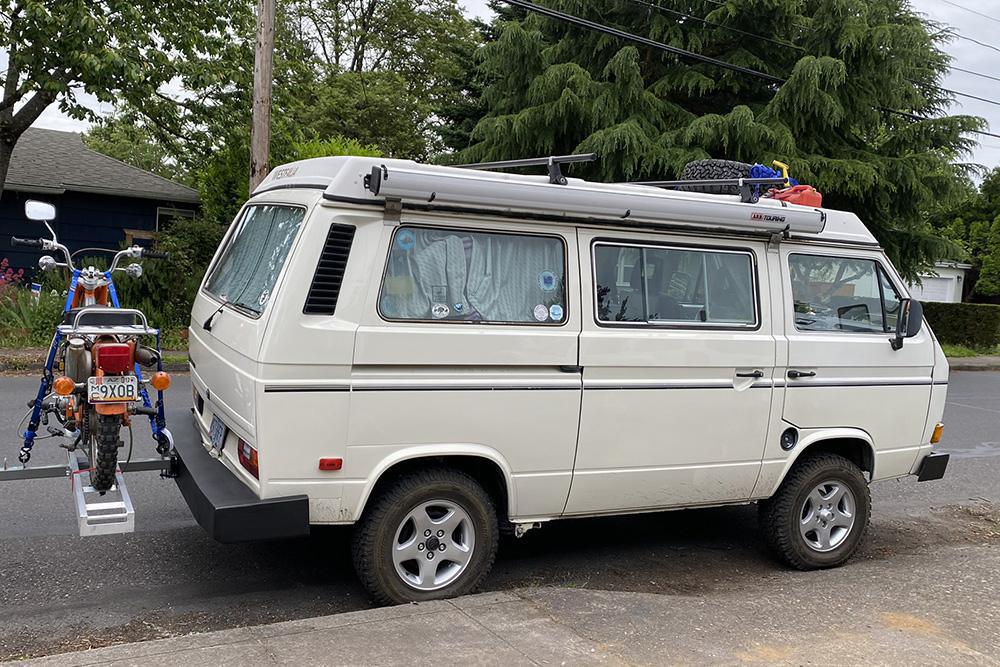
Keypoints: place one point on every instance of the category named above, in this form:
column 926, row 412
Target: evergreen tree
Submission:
column 554, row 88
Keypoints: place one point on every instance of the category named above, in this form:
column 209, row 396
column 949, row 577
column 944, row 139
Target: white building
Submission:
column 945, row 284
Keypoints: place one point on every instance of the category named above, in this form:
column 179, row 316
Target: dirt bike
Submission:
column 98, row 352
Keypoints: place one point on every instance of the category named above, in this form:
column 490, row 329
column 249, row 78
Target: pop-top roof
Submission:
column 374, row 180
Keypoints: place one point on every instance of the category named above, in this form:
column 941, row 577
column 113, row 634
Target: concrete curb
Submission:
column 984, row 363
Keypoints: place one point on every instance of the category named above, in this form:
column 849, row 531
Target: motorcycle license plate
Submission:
column 113, row 389
column 217, row 434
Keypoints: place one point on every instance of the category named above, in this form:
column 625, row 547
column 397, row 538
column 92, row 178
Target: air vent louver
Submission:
column 325, row 288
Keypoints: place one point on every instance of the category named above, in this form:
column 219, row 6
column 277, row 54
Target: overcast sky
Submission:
column 966, row 54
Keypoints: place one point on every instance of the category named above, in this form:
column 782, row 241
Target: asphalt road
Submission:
column 59, row 592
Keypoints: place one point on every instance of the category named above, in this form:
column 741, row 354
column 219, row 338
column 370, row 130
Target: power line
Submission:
column 985, row 16
column 969, row 71
column 975, row 41
column 665, row 10
column 627, row 36
column 674, row 12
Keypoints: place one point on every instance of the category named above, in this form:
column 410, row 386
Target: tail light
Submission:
column 113, row 358
column 248, row 458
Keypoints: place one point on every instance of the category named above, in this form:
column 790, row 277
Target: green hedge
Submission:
column 976, row 325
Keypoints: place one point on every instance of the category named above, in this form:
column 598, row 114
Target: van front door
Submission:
column 678, row 358
column 842, row 371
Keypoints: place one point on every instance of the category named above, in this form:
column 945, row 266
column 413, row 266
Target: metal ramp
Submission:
column 110, row 514
column 97, row 514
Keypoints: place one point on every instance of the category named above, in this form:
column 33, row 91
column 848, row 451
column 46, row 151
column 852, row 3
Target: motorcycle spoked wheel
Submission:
column 104, row 452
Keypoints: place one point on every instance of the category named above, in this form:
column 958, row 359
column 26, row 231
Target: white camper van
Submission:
column 434, row 355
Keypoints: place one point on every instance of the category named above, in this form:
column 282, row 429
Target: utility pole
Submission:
column 263, row 67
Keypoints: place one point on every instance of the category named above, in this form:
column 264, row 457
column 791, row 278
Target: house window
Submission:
column 164, row 216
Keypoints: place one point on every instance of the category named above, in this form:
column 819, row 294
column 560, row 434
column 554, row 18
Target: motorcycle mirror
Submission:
column 47, row 262
column 133, row 270
column 39, row 211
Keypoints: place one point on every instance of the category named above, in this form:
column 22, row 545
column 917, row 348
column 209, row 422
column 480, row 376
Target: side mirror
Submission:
column 911, row 318
column 39, row 211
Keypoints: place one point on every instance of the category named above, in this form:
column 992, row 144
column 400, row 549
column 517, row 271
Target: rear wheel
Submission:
column 104, row 452
column 820, row 513
column 430, row 535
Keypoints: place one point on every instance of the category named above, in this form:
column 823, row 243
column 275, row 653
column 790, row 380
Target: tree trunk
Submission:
column 6, row 150
column 260, row 134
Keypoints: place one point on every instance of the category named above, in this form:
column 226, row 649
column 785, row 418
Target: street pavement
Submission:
column 693, row 586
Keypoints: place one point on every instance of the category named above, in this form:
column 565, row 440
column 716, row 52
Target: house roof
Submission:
column 53, row 162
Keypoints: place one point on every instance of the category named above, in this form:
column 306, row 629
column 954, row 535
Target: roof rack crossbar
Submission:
column 749, row 193
column 552, row 162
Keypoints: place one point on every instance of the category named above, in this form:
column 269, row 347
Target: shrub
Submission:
column 25, row 322
column 976, row 325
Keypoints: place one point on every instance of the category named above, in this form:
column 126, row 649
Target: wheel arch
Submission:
column 853, row 444
column 484, row 465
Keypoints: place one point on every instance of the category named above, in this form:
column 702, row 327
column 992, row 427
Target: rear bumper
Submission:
column 932, row 467
column 226, row 508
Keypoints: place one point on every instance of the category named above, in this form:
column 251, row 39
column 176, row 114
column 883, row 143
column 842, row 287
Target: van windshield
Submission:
column 249, row 265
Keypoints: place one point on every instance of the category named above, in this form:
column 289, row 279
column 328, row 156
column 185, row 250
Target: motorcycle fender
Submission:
column 111, row 408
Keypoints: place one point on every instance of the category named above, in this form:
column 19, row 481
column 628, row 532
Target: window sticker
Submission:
column 439, row 293
column 406, row 239
column 547, row 281
column 556, row 312
column 439, row 311
column 458, row 308
column 541, row 312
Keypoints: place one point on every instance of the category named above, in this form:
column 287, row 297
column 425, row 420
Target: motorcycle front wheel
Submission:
column 104, row 452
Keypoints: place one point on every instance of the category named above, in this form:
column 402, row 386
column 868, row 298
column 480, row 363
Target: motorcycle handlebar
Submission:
column 153, row 254
column 28, row 243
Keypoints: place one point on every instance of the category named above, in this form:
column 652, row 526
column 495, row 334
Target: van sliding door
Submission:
column 678, row 357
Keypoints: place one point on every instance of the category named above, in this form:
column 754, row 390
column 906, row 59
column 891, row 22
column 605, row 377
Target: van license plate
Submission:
column 217, row 434
column 112, row 389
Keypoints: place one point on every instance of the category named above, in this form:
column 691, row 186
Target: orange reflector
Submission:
column 331, row 464
column 160, row 381
column 64, row 386
column 938, row 430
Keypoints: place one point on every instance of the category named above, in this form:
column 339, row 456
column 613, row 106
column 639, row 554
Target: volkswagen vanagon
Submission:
column 434, row 355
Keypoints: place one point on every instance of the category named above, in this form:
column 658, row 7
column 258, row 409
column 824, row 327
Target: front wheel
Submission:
column 104, row 452
column 432, row 534
column 820, row 513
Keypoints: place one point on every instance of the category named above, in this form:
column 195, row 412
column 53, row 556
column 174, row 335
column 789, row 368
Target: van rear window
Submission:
column 254, row 255
column 455, row 275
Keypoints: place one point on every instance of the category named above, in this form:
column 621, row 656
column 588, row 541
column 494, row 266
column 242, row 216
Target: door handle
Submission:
column 751, row 374
column 571, row 369
column 795, row 375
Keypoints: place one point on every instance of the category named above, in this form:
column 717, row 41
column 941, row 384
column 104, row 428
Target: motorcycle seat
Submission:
column 110, row 317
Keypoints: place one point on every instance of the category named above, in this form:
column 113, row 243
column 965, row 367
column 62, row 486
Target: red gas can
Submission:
column 806, row 195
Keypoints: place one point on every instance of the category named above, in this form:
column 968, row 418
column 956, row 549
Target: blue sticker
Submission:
column 406, row 239
column 556, row 312
column 459, row 307
column 547, row 281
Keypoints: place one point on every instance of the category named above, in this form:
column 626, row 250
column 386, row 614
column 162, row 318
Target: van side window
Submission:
column 674, row 286
column 842, row 294
column 463, row 276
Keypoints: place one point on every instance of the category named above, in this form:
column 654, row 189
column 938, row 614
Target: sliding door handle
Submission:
column 571, row 369
column 795, row 375
column 751, row 374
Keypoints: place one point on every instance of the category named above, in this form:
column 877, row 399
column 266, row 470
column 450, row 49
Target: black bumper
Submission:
column 932, row 467
column 225, row 507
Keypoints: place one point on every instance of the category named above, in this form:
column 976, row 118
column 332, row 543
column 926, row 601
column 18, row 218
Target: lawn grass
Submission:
column 959, row 351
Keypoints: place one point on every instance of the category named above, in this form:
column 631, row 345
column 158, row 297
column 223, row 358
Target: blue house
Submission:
column 101, row 202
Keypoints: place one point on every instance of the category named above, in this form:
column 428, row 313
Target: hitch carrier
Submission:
column 95, row 514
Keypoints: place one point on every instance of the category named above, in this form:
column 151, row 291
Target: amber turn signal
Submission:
column 64, row 386
column 938, row 430
column 160, row 381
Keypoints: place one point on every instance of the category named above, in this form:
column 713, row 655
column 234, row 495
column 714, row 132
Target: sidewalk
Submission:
column 985, row 363
column 923, row 608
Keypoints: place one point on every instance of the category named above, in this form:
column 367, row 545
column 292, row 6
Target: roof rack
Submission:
column 749, row 192
column 552, row 162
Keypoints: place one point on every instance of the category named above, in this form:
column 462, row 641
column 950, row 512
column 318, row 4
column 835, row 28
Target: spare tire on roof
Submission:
column 703, row 170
